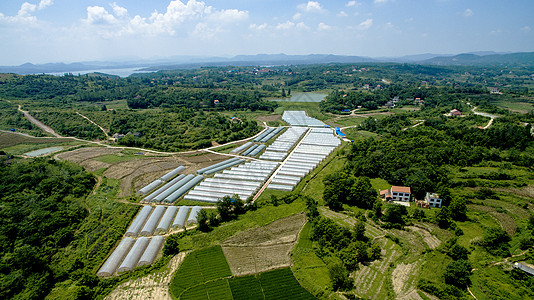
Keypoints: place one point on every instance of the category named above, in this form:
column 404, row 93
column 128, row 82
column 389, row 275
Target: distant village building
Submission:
column 397, row 193
column 366, row 86
column 235, row 120
column 495, row 90
column 216, row 101
column 456, row 112
column 419, row 101
column 433, row 200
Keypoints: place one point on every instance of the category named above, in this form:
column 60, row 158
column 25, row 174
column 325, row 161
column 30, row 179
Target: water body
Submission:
column 303, row 97
column 122, row 72
column 43, row 151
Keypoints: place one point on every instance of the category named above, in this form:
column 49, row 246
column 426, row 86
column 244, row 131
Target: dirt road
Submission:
column 38, row 123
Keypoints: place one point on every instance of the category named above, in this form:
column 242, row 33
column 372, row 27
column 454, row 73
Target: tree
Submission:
column 377, row 208
column 442, row 217
column 311, row 208
column 338, row 274
column 495, row 240
column 458, row 252
column 172, row 244
column 457, row 273
column 203, row 220
column 332, row 197
column 394, row 214
column 362, row 193
column 458, row 209
column 359, row 231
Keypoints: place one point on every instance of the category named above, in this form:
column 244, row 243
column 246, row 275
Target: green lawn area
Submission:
column 496, row 283
column 309, row 269
column 252, row 219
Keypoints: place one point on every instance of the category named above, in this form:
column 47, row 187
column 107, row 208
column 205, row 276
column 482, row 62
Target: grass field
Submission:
column 18, row 144
column 495, row 283
column 309, row 269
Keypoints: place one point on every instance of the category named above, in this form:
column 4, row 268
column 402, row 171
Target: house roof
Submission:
column 401, row 189
column 385, row 192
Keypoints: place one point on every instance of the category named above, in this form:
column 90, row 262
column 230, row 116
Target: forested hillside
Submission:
column 41, row 209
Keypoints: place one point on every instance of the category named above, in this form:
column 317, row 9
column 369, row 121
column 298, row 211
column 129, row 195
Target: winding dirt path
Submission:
column 94, row 123
column 38, row 123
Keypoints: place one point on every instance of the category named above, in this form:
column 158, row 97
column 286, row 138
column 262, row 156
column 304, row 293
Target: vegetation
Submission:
column 205, row 274
column 41, row 210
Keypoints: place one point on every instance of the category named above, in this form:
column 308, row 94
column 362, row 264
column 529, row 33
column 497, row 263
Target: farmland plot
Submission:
column 260, row 249
column 198, row 268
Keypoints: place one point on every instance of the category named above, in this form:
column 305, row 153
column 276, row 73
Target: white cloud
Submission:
column 380, row 1
column 258, row 27
column 297, row 16
column 205, row 32
column 97, row 15
column 526, row 29
column 229, row 15
column 342, row 14
column 366, row 24
column 285, row 26
column 352, row 3
column 311, row 6
column 302, row 26
column 192, row 16
column 467, row 13
column 322, row 27
column 119, row 10
column 45, row 3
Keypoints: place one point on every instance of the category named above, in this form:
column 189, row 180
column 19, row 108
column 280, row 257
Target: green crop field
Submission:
column 246, row 287
column 204, row 274
column 281, row 284
column 197, row 268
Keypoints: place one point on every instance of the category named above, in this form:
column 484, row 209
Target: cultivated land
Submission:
column 269, row 252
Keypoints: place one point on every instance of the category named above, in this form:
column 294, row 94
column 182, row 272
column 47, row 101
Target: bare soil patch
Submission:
column 83, row 154
column 264, row 248
column 153, row 286
column 269, row 118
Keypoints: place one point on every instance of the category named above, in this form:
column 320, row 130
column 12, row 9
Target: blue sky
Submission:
column 41, row 31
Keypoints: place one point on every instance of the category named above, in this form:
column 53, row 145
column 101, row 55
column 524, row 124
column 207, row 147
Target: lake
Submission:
column 122, row 72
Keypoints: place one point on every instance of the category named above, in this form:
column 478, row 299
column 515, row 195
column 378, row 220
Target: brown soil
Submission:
column 269, row 118
column 265, row 248
column 134, row 174
column 83, row 154
column 153, row 286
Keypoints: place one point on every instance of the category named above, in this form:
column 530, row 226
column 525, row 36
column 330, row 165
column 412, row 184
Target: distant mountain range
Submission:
column 185, row 62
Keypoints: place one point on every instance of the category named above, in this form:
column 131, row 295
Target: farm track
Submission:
column 38, row 123
column 94, row 123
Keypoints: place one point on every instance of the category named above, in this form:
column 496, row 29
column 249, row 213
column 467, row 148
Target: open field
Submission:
column 15, row 143
column 261, row 249
column 153, row 286
column 133, row 168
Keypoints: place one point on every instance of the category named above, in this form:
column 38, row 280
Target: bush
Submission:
column 457, row 273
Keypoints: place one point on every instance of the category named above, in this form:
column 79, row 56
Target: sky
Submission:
column 43, row 31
